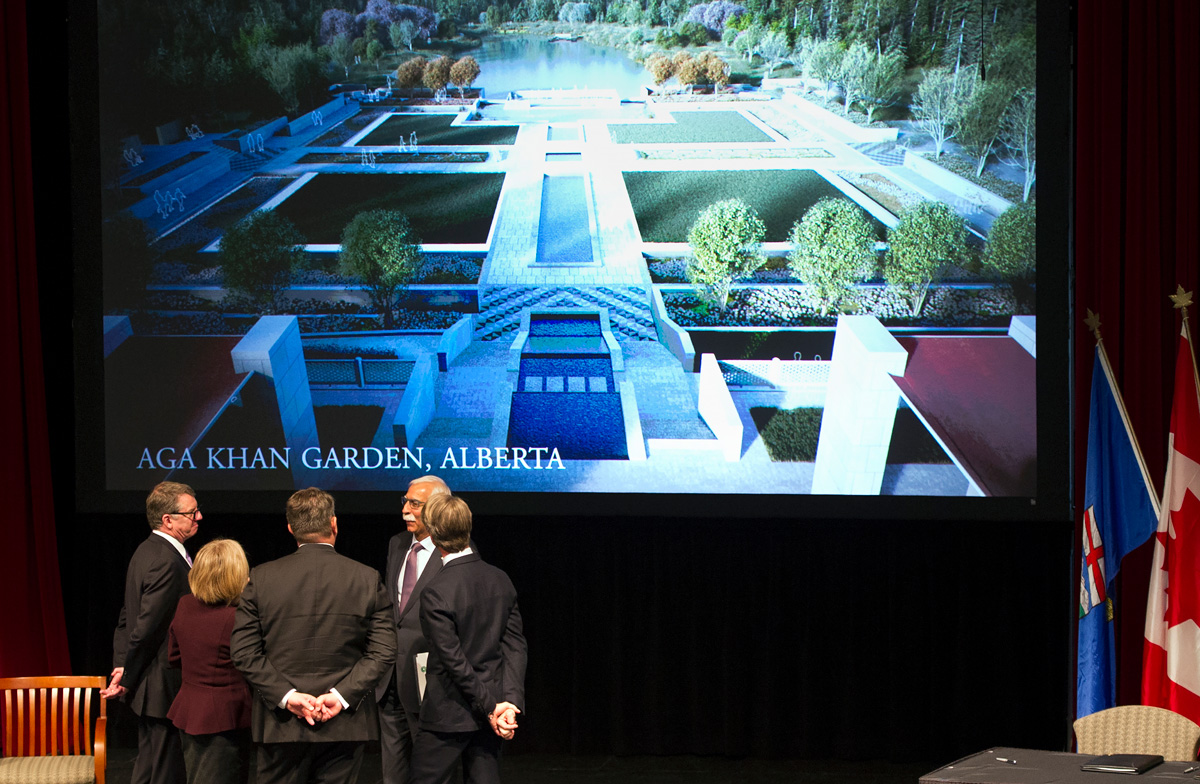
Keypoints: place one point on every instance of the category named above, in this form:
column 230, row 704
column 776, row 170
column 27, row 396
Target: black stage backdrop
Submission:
column 805, row 638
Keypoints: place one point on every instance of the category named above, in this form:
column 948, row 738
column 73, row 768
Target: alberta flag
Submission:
column 1120, row 513
column 1171, row 662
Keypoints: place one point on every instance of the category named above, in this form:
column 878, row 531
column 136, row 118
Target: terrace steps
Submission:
column 252, row 161
column 883, row 153
column 672, row 412
column 500, row 308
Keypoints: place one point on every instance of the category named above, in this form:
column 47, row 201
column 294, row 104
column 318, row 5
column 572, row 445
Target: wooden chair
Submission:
column 1138, row 729
column 47, row 730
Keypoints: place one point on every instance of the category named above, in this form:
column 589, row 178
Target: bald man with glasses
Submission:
column 157, row 577
column 412, row 562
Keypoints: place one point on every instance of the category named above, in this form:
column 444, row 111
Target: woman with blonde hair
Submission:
column 212, row 709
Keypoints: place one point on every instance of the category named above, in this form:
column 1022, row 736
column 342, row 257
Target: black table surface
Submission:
column 1046, row 767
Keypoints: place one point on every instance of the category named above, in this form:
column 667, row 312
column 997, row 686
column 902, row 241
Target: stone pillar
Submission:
column 272, row 347
column 860, row 408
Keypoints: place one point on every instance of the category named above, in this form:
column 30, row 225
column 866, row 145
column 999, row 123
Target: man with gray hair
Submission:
column 412, row 562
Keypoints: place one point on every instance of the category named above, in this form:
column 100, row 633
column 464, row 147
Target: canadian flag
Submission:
column 1171, row 658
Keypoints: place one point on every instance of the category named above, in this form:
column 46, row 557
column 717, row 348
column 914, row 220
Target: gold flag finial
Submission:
column 1093, row 323
column 1181, row 298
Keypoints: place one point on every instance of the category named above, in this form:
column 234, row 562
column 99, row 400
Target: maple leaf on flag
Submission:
column 1183, row 563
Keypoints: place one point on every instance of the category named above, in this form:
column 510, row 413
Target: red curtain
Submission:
column 1137, row 168
column 35, row 637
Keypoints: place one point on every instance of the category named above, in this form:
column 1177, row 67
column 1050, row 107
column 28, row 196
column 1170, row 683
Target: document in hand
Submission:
column 1122, row 763
column 422, row 661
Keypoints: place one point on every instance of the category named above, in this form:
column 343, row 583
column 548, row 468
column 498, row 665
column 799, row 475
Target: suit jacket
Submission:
column 477, row 650
column 214, row 696
column 154, row 581
column 410, row 640
column 313, row 621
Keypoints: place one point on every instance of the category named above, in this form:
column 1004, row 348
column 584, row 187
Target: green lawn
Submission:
column 666, row 203
column 443, row 208
column 435, row 129
column 691, row 128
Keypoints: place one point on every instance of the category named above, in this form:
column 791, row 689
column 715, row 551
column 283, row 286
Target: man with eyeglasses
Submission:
column 412, row 562
column 156, row 578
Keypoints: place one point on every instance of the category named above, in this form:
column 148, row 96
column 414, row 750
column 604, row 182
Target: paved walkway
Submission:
column 614, row 276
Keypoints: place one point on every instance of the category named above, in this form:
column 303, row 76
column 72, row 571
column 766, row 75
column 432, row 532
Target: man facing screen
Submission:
column 476, row 673
column 313, row 637
column 156, row 578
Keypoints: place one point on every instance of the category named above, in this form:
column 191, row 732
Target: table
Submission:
column 1046, row 767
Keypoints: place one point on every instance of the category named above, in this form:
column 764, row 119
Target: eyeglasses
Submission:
column 414, row 503
column 190, row 515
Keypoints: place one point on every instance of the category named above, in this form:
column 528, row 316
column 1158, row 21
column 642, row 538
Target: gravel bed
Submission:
column 320, row 269
column 156, row 323
column 791, row 306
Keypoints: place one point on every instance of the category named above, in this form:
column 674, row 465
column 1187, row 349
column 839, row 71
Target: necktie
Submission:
column 410, row 575
column 188, row 558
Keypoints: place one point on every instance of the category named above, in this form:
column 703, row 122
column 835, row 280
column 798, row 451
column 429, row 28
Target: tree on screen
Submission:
column 463, row 73
column 259, row 254
column 341, row 53
column 882, row 84
column 661, row 68
column 437, row 74
column 575, row 13
column 774, row 49
column 939, row 104
column 402, row 33
column 714, row 15
column 1011, row 251
column 336, row 23
column 979, row 126
column 929, row 237
column 747, row 41
column 853, row 71
column 290, row 71
column 375, row 52
column 1018, row 132
column 833, row 248
column 823, row 60
column 689, row 70
column 716, row 70
column 694, row 33
column 409, row 74
column 726, row 242
column 381, row 249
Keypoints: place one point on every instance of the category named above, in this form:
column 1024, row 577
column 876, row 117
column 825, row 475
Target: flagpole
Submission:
column 1182, row 299
column 1093, row 323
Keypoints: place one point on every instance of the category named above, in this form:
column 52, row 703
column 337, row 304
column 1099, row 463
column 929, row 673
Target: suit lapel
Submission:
column 432, row 567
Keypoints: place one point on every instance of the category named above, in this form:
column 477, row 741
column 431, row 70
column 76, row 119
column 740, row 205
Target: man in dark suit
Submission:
column 412, row 562
column 157, row 576
column 476, row 675
column 313, row 636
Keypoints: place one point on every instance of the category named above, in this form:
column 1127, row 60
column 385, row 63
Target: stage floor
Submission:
column 596, row 769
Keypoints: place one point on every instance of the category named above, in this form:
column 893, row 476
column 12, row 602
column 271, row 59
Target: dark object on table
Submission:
column 1122, row 763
